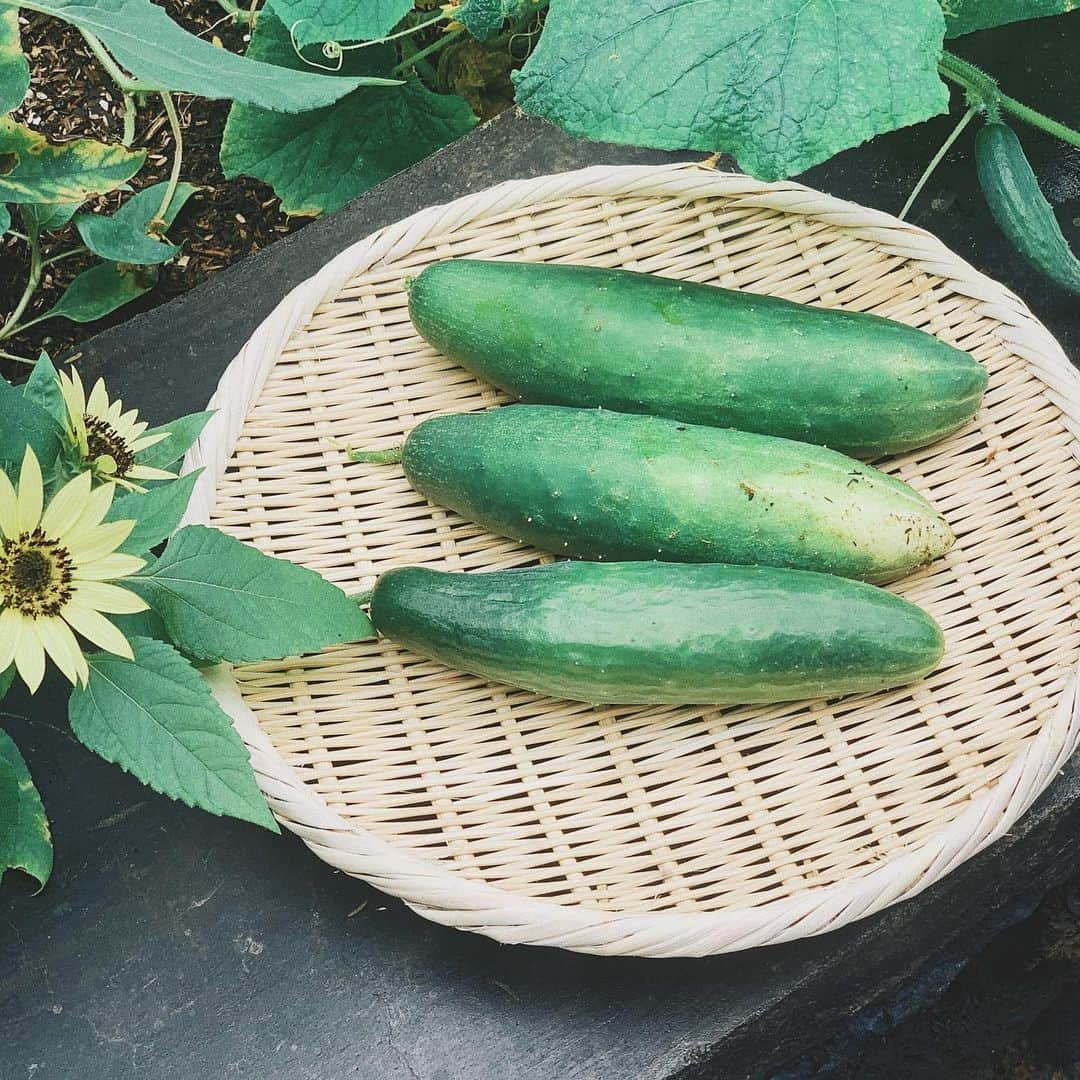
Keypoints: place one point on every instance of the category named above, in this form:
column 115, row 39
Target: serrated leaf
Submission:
column 125, row 236
column 319, row 161
column 43, row 388
column 156, row 512
column 223, row 600
column 102, row 289
column 781, row 84
column 182, row 432
column 26, row 423
column 156, row 718
column 341, row 20
column 14, row 69
column 33, row 170
column 48, row 217
column 485, row 18
column 964, row 16
column 156, row 50
column 25, row 841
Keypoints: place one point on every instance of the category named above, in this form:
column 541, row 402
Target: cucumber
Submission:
column 594, row 484
column 576, row 335
column 660, row 633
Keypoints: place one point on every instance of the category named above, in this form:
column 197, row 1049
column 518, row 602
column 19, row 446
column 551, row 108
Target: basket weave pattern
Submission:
column 647, row 830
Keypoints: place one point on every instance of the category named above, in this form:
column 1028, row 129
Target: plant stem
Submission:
column 64, row 255
column 18, row 359
column 127, row 84
column 178, row 153
column 11, row 324
column 130, row 112
column 238, row 15
column 985, row 91
column 936, row 160
column 437, row 44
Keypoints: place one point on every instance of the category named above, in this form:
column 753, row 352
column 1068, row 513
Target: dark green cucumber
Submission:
column 661, row 633
column 1020, row 208
column 598, row 485
column 576, row 335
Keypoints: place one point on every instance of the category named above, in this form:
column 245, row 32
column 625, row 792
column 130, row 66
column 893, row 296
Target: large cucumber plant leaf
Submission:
column 781, row 84
column 965, row 16
column 341, row 20
column 156, row 50
column 485, row 18
column 319, row 161
column 14, row 69
column 33, row 170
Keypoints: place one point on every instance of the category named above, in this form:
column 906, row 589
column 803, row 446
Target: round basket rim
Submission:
column 439, row 893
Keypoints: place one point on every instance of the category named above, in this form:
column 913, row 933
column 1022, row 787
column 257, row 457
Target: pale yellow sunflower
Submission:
column 57, row 563
column 107, row 437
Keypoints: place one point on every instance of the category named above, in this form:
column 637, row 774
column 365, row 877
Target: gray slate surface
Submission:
column 178, row 946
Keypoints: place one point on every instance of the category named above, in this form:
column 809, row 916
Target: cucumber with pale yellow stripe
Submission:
column 632, row 342
column 602, row 485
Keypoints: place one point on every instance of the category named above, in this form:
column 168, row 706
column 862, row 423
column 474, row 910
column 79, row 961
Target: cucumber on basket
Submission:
column 660, row 633
column 601, row 485
column 576, row 335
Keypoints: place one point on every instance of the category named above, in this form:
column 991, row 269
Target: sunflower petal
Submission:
column 66, row 505
column 9, row 514
column 148, row 472
column 96, row 628
column 30, row 657
column 11, row 625
column 59, row 642
column 31, row 493
column 108, row 567
column 111, row 598
column 142, row 442
column 97, row 506
column 98, row 541
column 98, row 401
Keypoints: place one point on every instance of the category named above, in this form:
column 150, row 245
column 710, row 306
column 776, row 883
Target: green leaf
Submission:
column 7, row 677
column 781, row 84
column 35, row 171
column 224, row 600
column 156, row 718
column 102, row 289
column 5, row 219
column 156, row 512
column 964, row 16
column 25, row 842
column 125, row 236
column 14, row 69
column 182, row 432
column 485, row 18
column 154, row 49
column 319, row 161
column 23, row 422
column 141, row 624
column 341, row 20
column 48, row 216
column 43, row 388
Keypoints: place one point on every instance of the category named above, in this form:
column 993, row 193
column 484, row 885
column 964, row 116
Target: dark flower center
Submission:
column 35, row 574
column 103, row 438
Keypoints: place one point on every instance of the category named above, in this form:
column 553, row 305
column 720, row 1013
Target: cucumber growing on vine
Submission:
column 1019, row 207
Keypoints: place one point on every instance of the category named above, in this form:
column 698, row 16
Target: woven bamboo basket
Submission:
column 647, row 831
